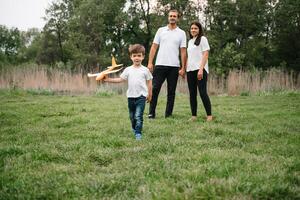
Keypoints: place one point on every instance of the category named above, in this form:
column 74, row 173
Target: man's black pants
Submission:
column 160, row 74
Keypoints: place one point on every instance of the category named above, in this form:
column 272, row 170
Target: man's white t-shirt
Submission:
column 137, row 80
column 195, row 54
column 169, row 41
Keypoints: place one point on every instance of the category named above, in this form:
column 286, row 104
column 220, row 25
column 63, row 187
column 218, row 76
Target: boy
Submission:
column 139, row 87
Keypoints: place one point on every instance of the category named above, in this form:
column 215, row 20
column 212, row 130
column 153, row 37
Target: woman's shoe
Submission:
column 192, row 119
column 209, row 118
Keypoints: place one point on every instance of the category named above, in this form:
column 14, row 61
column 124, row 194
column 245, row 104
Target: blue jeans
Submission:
column 136, row 108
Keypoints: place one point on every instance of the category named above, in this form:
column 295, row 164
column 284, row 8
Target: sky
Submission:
column 23, row 14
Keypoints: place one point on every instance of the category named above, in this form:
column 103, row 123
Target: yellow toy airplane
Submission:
column 110, row 69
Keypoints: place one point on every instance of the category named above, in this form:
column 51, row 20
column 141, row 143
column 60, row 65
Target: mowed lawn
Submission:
column 82, row 147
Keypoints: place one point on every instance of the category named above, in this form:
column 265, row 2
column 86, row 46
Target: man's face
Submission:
column 173, row 17
column 137, row 58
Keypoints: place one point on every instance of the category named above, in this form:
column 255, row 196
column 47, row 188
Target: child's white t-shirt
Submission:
column 137, row 80
column 195, row 54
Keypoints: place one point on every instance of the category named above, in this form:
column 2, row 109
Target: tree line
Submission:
column 83, row 34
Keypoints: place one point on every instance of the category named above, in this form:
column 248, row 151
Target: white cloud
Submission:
column 23, row 14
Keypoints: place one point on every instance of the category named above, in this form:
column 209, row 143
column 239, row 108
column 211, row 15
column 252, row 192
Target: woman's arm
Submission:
column 202, row 64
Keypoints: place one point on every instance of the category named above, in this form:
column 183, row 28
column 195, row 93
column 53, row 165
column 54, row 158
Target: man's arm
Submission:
column 152, row 53
column 183, row 61
column 149, row 84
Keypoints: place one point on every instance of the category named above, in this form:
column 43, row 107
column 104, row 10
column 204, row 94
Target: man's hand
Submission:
column 182, row 72
column 200, row 74
column 150, row 67
column 149, row 98
column 152, row 52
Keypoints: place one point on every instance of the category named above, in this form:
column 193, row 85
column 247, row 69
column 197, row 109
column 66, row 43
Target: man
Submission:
column 171, row 40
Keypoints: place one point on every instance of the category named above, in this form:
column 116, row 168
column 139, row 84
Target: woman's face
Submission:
column 194, row 30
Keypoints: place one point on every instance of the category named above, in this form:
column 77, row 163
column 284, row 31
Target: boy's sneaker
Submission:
column 138, row 136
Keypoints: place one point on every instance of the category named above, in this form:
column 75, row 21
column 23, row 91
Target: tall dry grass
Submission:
column 48, row 79
column 60, row 81
column 261, row 81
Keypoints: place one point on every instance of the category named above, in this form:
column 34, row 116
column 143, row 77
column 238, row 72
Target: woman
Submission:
column 197, row 69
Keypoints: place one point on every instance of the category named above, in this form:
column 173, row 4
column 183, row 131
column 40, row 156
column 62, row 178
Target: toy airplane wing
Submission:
column 92, row 75
column 102, row 75
column 114, row 63
column 113, row 71
column 110, row 69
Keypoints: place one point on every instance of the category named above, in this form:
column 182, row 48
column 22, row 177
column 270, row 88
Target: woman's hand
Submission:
column 200, row 74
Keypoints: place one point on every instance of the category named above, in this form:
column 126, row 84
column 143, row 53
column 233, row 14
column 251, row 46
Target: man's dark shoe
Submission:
column 151, row 116
column 169, row 115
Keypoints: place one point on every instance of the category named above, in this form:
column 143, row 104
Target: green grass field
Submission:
column 82, row 147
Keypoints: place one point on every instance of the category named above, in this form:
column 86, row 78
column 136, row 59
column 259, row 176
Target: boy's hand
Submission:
column 105, row 78
column 149, row 98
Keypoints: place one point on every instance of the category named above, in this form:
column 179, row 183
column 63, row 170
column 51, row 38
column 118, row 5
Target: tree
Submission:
column 57, row 17
column 93, row 28
column 187, row 9
column 141, row 26
column 82, row 34
column 10, row 43
column 30, row 47
column 248, row 25
column 287, row 32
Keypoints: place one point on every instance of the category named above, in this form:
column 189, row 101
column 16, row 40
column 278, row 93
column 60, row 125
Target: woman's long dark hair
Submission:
column 198, row 39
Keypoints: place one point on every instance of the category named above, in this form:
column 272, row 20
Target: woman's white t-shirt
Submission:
column 195, row 54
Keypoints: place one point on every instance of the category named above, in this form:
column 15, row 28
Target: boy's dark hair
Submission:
column 198, row 39
column 136, row 48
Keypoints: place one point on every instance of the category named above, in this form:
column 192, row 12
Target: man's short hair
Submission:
column 136, row 48
column 176, row 11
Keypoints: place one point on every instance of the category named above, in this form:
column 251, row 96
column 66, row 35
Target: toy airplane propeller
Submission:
column 110, row 69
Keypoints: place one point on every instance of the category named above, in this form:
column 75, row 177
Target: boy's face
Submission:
column 137, row 58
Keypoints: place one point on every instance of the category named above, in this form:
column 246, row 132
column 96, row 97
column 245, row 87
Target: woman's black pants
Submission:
column 193, row 83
